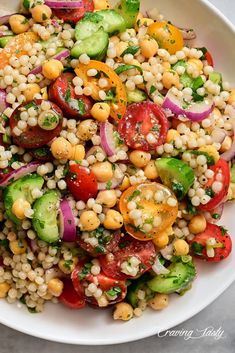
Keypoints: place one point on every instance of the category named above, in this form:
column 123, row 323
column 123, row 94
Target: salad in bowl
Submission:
column 116, row 157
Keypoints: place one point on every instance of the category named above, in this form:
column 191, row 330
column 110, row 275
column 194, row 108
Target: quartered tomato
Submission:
column 127, row 251
column 221, row 167
column 159, row 215
column 62, row 92
column 70, row 297
column 34, row 136
column 144, row 126
column 81, row 182
column 107, row 241
column 74, row 15
column 113, row 290
column 222, row 247
column 115, row 90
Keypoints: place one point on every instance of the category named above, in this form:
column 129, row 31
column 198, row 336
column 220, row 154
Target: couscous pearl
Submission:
column 171, row 202
column 195, row 201
column 217, row 186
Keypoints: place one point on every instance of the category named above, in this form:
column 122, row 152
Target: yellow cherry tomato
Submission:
column 158, row 206
column 168, row 36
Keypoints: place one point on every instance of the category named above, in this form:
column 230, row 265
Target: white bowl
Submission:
column 96, row 327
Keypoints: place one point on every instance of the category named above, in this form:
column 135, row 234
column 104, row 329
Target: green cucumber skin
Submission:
column 179, row 278
column 45, row 220
column 112, row 22
column 136, row 96
column 85, row 28
column 134, row 287
column 20, row 188
column 4, row 40
column 129, row 9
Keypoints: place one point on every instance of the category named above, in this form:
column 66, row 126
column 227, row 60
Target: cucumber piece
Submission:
column 94, row 46
column 45, row 43
column 216, row 77
column 45, row 217
column 179, row 63
column 129, row 10
column 112, row 21
column 134, row 287
column 21, row 189
column 4, row 40
column 179, row 278
column 175, row 174
column 186, row 80
column 85, row 28
column 136, row 96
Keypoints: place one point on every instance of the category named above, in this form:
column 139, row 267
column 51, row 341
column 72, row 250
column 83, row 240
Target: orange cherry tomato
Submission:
column 115, row 90
column 156, row 212
column 168, row 36
column 16, row 47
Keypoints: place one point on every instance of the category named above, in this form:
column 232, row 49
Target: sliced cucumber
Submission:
column 129, row 9
column 45, row 217
column 134, row 287
column 86, row 28
column 94, row 46
column 45, row 43
column 175, row 174
column 216, row 77
column 112, row 22
column 21, row 189
column 179, row 278
column 136, row 96
column 4, row 40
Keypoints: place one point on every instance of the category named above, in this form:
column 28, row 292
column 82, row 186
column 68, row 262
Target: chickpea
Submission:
column 61, row 148
column 67, row 266
column 19, row 24
column 113, row 220
column 125, row 183
column 55, row 287
column 172, row 134
column 196, row 63
column 100, row 111
column 197, row 224
column 181, row 247
column 159, row 301
column 103, row 171
column 31, row 90
column 150, row 171
column 144, row 21
column 149, row 47
column 231, row 99
column 170, row 79
column 52, row 69
column 41, row 13
column 18, row 247
column 139, row 158
column 107, row 197
column 77, row 153
column 123, row 311
column 120, row 47
column 163, row 238
column 19, row 207
column 89, row 221
column 4, row 288
column 101, row 4
column 86, row 129
column 226, row 144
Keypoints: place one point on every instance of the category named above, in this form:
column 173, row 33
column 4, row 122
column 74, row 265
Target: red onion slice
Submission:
column 188, row 33
column 218, row 211
column 107, row 140
column 230, row 154
column 3, row 102
column 60, row 56
column 158, row 267
column 64, row 4
column 67, row 222
column 5, row 19
column 195, row 111
column 19, row 173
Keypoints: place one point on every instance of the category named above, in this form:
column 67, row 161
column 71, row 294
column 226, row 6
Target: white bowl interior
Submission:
column 90, row 326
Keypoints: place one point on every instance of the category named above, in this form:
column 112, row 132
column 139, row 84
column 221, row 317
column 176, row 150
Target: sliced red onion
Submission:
column 33, row 245
column 55, row 23
column 195, row 111
column 218, row 135
column 188, row 33
column 5, row 19
column 67, row 222
column 60, row 56
column 5, row 33
column 53, row 272
column 19, row 173
column 64, row 4
column 230, row 154
column 158, row 267
column 107, row 140
column 94, row 150
column 167, row 252
column 3, row 102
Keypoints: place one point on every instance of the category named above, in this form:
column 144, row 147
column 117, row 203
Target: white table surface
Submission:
column 220, row 314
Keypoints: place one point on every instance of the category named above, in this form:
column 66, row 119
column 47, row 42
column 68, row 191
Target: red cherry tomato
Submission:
column 128, row 247
column 34, row 136
column 70, row 297
column 81, row 182
column 144, row 126
column 81, row 274
column 42, row 154
column 106, row 241
column 74, row 15
column 209, row 59
column 222, row 248
column 221, row 167
column 62, row 92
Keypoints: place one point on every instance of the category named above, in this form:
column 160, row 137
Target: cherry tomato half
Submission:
column 74, row 15
column 34, row 136
column 127, row 248
column 222, row 248
column 144, row 126
column 70, row 297
column 209, row 59
column 221, row 167
column 62, row 92
column 81, row 182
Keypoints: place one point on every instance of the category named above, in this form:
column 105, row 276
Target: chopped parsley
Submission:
column 152, row 89
column 85, row 271
column 131, row 50
column 4, row 243
column 68, row 264
column 215, row 216
column 134, row 195
column 108, row 185
column 210, row 192
column 197, row 248
column 223, row 230
column 178, row 189
column 67, row 94
column 113, row 292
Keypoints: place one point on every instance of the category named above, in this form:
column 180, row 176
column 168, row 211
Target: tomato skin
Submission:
column 34, row 136
column 57, row 94
column 70, row 297
column 213, row 231
column 81, row 182
column 218, row 198
column 74, row 15
column 138, row 121
column 128, row 246
column 107, row 247
column 209, row 59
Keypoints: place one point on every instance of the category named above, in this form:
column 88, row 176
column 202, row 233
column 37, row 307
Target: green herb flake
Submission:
column 197, row 248
column 113, row 292
column 215, row 216
column 130, row 50
column 223, row 230
column 210, row 192
column 152, row 89
column 134, row 195
column 108, row 185
column 68, row 264
column 85, row 271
